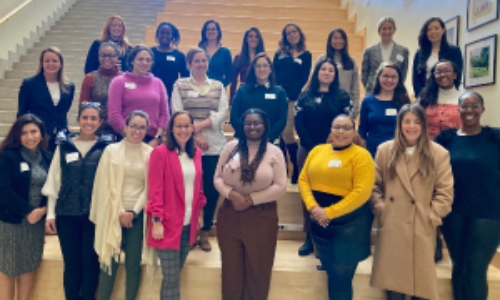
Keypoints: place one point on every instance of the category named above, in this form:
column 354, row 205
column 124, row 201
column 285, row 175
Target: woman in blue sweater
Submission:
column 377, row 119
column 220, row 67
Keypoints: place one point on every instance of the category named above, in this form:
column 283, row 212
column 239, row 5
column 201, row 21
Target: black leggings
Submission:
column 472, row 243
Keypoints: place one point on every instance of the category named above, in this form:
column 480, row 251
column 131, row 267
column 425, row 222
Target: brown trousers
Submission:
column 247, row 241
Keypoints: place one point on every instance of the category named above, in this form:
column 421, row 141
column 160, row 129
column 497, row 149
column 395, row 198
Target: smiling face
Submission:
column 142, row 63
column 471, row 110
column 199, row 64
column 165, row 36
column 337, row 42
column 445, row 75
column 183, row 129
column 343, row 132
column 31, row 137
column 116, row 29
column 51, row 63
column 108, row 58
column 262, row 70
column 326, row 73
column 292, row 35
column 435, row 32
column 252, row 39
column 253, row 127
column 386, row 32
column 136, row 130
column 89, row 121
column 411, row 128
column 388, row 79
column 211, row 32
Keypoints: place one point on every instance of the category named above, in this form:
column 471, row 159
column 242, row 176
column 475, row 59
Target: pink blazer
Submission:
column 166, row 197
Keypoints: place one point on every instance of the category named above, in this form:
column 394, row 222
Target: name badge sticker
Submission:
column 270, row 96
column 339, row 66
column 400, row 57
column 336, row 163
column 130, row 85
column 193, row 94
column 170, row 58
column 71, row 157
column 391, row 112
column 24, row 167
column 318, row 100
column 298, row 60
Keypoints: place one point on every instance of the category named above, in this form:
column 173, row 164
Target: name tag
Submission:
column 193, row 94
column 391, row 112
column 71, row 157
column 298, row 60
column 400, row 57
column 24, row 167
column 334, row 163
column 318, row 100
column 339, row 66
column 270, row 96
column 236, row 157
column 130, row 85
column 170, row 58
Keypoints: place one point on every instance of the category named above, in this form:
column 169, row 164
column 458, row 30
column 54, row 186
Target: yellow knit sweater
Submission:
column 349, row 173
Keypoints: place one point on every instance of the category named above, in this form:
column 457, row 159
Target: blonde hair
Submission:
column 385, row 19
column 106, row 36
column 61, row 78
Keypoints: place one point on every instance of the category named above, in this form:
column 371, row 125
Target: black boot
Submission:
column 292, row 152
column 307, row 248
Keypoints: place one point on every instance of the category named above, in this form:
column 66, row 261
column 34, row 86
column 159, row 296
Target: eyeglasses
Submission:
column 264, row 66
column 345, row 128
column 443, row 72
column 88, row 104
column 180, row 127
column 388, row 77
column 104, row 56
column 211, row 29
column 252, row 124
column 138, row 128
column 467, row 107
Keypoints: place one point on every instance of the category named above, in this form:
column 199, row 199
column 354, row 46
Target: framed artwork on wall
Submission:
column 452, row 30
column 481, row 12
column 480, row 62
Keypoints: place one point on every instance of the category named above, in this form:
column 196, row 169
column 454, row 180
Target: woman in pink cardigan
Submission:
column 175, row 197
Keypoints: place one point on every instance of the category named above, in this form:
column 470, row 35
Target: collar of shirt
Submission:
column 200, row 88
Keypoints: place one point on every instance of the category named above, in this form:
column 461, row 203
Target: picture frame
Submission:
column 481, row 12
column 480, row 62
column 452, row 30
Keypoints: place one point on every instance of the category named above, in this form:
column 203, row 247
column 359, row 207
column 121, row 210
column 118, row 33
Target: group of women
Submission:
column 145, row 171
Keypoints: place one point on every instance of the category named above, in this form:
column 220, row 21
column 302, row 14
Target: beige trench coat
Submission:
column 408, row 208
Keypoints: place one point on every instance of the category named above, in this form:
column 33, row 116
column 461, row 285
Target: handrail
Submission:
column 15, row 11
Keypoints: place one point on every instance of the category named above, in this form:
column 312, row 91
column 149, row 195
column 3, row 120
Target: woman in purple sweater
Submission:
column 139, row 90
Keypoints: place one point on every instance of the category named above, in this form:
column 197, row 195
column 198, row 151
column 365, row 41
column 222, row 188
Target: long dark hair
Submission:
column 244, row 57
column 400, row 96
column 347, row 63
column 136, row 50
column 285, row 46
column 13, row 138
column 429, row 94
column 426, row 45
column 204, row 33
column 176, row 36
column 171, row 142
column 248, row 169
column 251, row 81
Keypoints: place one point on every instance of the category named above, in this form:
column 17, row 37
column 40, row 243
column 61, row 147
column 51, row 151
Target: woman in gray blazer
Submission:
column 385, row 50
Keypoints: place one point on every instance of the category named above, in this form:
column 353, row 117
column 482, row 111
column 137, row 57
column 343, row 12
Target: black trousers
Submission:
column 81, row 265
column 472, row 243
column 209, row 163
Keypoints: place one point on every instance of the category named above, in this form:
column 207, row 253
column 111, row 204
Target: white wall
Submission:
column 409, row 20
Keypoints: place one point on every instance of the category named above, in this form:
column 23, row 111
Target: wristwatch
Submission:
column 159, row 137
column 156, row 219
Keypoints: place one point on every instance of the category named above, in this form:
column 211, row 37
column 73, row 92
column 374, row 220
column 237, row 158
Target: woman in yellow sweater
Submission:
column 335, row 184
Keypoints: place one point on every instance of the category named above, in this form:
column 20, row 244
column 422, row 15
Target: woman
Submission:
column 206, row 101
column 48, row 94
column 169, row 63
column 24, row 164
column 335, row 185
column 433, row 46
column 413, row 192
column 221, row 65
column 377, row 119
column 69, row 191
column 260, row 91
column 292, row 65
column 251, row 174
column 337, row 49
column 252, row 45
column 173, row 215
column 440, row 96
column 384, row 51
column 113, row 32
column 118, row 199
column 95, row 85
column 316, row 108
column 139, row 90
column 472, row 229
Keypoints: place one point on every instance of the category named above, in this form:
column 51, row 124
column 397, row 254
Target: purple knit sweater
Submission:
column 129, row 92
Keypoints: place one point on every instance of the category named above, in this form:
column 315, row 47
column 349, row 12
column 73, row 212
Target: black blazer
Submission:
column 454, row 54
column 34, row 97
column 15, row 185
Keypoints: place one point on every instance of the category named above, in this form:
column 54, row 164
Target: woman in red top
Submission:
column 175, row 197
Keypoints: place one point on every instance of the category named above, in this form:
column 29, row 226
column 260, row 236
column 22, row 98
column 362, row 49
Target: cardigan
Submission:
column 167, row 197
column 34, row 97
column 291, row 72
column 129, row 92
column 15, row 178
column 454, row 54
column 168, row 67
column 241, row 72
column 220, row 66
column 271, row 99
column 92, row 62
column 349, row 173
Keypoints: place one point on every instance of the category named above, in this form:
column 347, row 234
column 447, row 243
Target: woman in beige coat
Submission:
column 413, row 192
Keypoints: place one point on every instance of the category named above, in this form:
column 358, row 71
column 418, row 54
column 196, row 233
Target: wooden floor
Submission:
column 294, row 278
